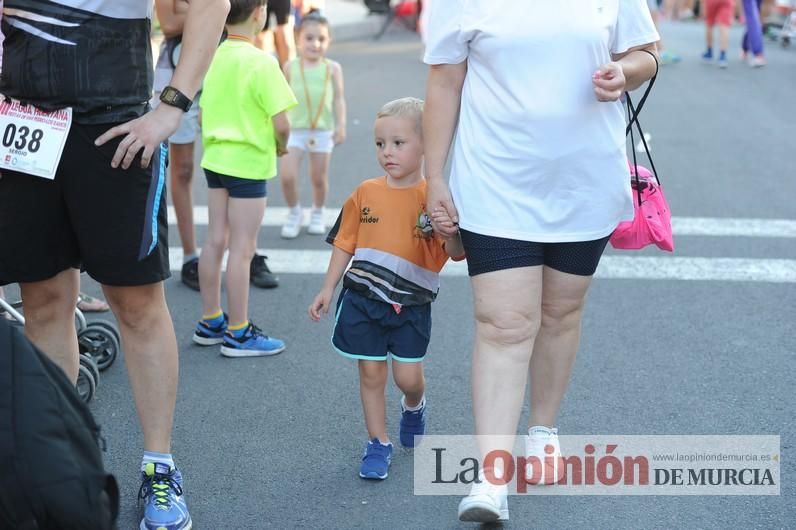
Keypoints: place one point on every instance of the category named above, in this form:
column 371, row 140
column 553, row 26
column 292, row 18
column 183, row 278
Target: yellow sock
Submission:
column 213, row 316
column 238, row 327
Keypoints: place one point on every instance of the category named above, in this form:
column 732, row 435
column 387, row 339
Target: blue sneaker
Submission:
column 708, row 56
column 722, row 62
column 376, row 460
column 164, row 504
column 252, row 343
column 413, row 423
column 208, row 335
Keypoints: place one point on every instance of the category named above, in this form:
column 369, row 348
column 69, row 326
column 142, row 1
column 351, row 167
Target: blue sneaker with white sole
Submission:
column 251, row 343
column 207, row 334
column 376, row 460
column 413, row 425
column 164, row 503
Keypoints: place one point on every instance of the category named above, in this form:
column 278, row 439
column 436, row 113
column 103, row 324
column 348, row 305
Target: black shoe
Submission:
column 260, row 275
column 190, row 274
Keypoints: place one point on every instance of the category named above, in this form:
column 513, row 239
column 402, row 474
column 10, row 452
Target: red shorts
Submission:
column 719, row 12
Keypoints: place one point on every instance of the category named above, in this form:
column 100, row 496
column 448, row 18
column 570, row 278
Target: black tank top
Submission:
column 92, row 55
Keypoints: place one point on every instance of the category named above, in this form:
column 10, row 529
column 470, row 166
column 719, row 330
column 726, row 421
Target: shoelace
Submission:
column 159, row 486
column 376, row 450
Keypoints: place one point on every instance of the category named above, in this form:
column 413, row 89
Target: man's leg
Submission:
column 150, row 349
column 49, row 308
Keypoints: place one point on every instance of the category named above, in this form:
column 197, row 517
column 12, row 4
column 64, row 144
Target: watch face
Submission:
column 170, row 95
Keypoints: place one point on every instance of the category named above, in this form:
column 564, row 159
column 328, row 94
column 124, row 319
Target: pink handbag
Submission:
column 652, row 222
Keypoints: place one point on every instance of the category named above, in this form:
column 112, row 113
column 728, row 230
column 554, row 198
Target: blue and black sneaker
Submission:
column 376, row 460
column 413, row 423
column 250, row 343
column 164, row 504
column 208, row 332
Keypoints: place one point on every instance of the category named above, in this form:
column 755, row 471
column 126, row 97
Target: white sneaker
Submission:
column 292, row 226
column 317, row 226
column 549, row 468
column 487, row 503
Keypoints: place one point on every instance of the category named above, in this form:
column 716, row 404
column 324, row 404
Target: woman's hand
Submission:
column 438, row 196
column 609, row 82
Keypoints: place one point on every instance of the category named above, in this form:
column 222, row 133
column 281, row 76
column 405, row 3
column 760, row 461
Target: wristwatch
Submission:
column 175, row 98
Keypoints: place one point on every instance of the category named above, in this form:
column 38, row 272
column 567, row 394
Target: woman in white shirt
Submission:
column 539, row 180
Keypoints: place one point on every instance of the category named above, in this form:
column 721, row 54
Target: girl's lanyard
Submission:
column 314, row 119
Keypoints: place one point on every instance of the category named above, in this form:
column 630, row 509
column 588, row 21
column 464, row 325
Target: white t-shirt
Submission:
column 536, row 157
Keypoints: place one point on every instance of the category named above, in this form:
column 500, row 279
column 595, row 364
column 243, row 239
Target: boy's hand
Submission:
column 440, row 218
column 320, row 305
column 609, row 82
column 339, row 136
column 281, row 150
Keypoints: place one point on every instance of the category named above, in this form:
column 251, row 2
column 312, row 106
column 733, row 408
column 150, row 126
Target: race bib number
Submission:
column 31, row 140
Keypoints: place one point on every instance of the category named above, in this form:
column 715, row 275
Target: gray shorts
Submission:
column 188, row 130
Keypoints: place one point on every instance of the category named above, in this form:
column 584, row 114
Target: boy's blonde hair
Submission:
column 411, row 108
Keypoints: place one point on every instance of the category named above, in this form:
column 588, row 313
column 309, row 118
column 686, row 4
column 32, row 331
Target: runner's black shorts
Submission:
column 110, row 222
column 490, row 253
column 280, row 9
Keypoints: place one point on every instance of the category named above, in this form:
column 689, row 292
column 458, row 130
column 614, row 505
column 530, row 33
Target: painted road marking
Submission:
column 682, row 226
column 611, row 267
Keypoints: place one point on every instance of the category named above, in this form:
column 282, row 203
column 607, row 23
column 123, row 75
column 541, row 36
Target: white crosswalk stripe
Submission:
column 682, row 226
column 302, row 261
column 664, row 267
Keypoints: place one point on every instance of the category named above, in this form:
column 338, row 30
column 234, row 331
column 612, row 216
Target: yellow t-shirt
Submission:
column 244, row 88
column 397, row 256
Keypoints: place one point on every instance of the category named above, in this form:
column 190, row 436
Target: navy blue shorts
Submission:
column 490, row 253
column 238, row 188
column 371, row 330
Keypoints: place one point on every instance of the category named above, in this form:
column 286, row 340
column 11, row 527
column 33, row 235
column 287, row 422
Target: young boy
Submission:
column 384, row 309
column 244, row 129
column 718, row 12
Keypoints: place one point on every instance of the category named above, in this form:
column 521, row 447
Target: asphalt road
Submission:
column 275, row 442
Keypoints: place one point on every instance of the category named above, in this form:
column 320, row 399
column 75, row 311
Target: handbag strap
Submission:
column 634, row 116
column 633, row 113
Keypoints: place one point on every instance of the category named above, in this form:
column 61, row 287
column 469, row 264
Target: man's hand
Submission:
column 609, row 82
column 146, row 132
column 320, row 305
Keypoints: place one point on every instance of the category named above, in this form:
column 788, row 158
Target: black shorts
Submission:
column 280, row 9
column 237, row 188
column 371, row 330
column 489, row 254
column 110, row 222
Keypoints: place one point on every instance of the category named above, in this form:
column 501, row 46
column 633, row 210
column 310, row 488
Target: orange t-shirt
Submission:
column 397, row 256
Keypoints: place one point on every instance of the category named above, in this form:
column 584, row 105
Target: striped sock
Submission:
column 214, row 320
column 238, row 329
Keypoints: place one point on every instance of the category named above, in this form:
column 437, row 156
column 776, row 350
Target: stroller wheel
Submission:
column 100, row 344
column 110, row 326
column 785, row 42
column 86, row 385
column 89, row 362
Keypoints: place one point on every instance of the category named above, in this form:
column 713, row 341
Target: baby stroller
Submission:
column 98, row 341
column 783, row 27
